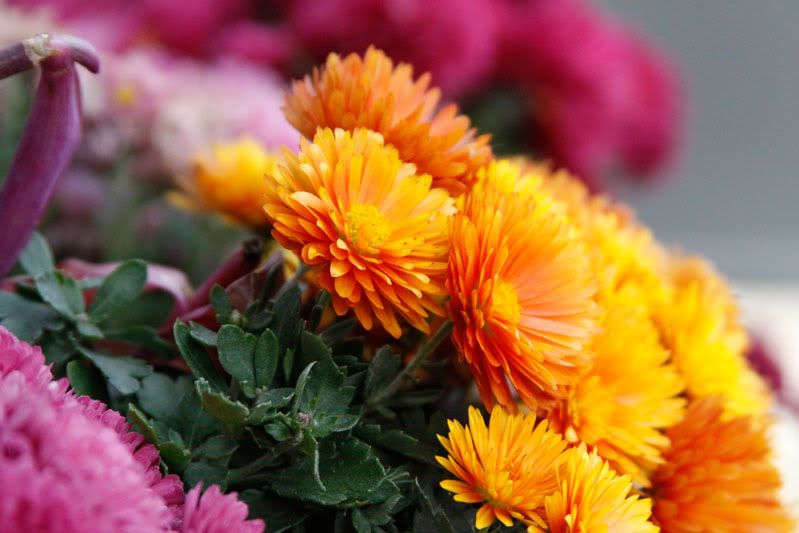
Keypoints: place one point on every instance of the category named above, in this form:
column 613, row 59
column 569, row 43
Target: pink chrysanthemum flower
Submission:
column 16, row 355
column 169, row 487
column 61, row 471
column 214, row 512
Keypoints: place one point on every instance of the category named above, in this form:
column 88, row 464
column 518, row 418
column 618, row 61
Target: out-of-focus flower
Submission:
column 264, row 44
column 599, row 95
column 509, row 466
column 520, row 291
column 718, row 475
column 699, row 323
column 170, row 487
column 19, row 356
column 630, row 393
column 373, row 229
column 229, row 180
column 593, row 498
column 61, row 471
column 454, row 40
column 213, row 512
column 370, row 92
column 168, row 109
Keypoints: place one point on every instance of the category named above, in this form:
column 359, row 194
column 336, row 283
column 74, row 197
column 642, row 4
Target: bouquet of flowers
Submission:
column 416, row 336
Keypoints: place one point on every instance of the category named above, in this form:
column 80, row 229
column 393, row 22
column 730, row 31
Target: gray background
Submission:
column 732, row 195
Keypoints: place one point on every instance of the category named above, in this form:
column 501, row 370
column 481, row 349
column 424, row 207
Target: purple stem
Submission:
column 50, row 138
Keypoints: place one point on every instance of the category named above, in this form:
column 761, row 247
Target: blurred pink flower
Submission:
column 62, row 472
column 454, row 40
column 214, row 512
column 599, row 95
column 21, row 357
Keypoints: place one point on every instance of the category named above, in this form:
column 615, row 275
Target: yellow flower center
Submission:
column 506, row 302
column 366, row 227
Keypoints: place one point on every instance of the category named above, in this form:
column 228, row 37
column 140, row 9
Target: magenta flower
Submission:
column 169, row 488
column 62, row 472
column 600, row 96
column 454, row 40
column 214, row 512
column 21, row 357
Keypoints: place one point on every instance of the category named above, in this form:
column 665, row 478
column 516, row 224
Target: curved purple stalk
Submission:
column 50, row 138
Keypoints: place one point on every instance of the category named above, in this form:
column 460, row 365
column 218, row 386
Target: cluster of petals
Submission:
column 371, row 228
column 521, row 290
column 517, row 469
column 369, row 91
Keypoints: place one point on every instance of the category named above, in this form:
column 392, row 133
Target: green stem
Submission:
column 424, row 351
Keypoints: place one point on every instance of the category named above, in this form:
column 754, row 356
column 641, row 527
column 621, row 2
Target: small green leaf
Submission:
column 120, row 288
column 124, row 373
column 310, row 447
column 26, row 319
column 302, row 381
column 60, row 292
column 236, row 348
column 202, row 334
column 217, row 447
column 220, row 301
column 37, row 258
column 88, row 329
column 86, row 380
column 220, row 406
column 206, row 473
column 146, row 337
column 265, row 359
column 397, row 441
column 196, row 357
column 159, row 395
column 287, row 306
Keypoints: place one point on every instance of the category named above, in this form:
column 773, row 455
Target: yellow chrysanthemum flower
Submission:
column 718, row 476
column 509, row 466
column 699, row 323
column 372, row 230
column 370, row 92
column 631, row 392
column 229, row 180
column 592, row 498
column 622, row 250
column 520, row 292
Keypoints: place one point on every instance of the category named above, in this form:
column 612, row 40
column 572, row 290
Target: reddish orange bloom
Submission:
column 370, row 92
column 718, row 476
column 520, row 293
column 371, row 229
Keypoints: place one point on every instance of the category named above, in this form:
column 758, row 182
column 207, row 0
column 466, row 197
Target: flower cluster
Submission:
column 560, row 302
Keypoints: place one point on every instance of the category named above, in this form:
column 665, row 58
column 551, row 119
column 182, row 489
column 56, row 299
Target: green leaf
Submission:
column 310, row 447
column 197, row 358
column 202, row 334
column 326, row 399
column 302, row 381
column 124, row 373
column 88, row 329
column 86, row 380
column 429, row 515
column 37, row 258
column 220, row 301
column 144, row 424
column 338, row 331
column 146, row 337
column 26, row 319
column 215, row 448
column 360, row 522
column 397, row 441
column 288, row 315
column 60, row 292
column 323, row 299
column 220, row 406
column 265, row 359
column 267, row 402
column 120, row 288
column 159, row 395
column 385, row 366
column 236, row 348
column 208, row 474
column 350, row 471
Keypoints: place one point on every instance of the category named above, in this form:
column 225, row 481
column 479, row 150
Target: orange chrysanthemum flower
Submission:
column 592, row 498
column 229, row 180
column 373, row 231
column 509, row 466
column 717, row 476
column 699, row 323
column 520, row 292
column 630, row 393
column 370, row 92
